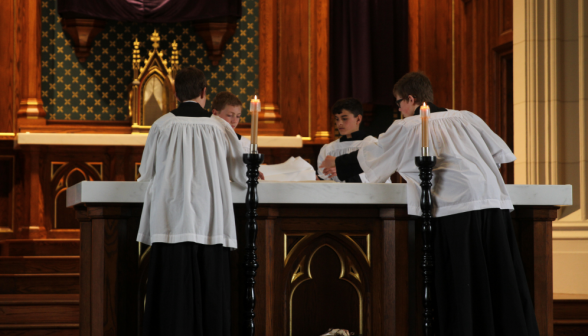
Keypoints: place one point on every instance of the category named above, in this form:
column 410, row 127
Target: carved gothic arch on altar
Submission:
column 151, row 94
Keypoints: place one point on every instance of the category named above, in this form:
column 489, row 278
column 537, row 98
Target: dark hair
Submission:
column 350, row 104
column 189, row 83
column 223, row 99
column 416, row 84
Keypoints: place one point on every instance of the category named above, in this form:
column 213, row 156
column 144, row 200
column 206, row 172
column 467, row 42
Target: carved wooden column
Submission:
column 395, row 270
column 110, row 268
column 270, row 119
column 82, row 33
column 31, row 110
column 534, row 234
column 34, row 227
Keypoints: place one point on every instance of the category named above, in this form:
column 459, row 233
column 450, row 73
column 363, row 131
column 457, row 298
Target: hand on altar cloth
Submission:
column 328, row 164
column 261, row 177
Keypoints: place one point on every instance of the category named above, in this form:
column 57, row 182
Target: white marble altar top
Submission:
column 311, row 193
column 87, row 139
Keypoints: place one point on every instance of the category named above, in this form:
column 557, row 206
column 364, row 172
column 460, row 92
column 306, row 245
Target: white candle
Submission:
column 425, row 114
column 255, row 108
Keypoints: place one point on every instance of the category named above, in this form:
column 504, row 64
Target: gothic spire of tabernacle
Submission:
column 155, row 39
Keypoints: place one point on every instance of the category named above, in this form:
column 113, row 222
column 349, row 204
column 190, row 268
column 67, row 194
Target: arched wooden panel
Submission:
column 326, row 291
column 64, row 175
column 328, row 279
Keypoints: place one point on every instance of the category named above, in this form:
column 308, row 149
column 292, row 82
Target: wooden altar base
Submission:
column 321, row 266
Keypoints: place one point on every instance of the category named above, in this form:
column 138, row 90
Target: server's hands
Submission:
column 328, row 165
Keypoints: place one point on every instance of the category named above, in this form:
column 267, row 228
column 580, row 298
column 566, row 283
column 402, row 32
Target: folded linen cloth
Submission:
column 293, row 170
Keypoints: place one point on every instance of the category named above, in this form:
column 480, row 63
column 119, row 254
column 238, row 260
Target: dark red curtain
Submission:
column 160, row 11
column 368, row 49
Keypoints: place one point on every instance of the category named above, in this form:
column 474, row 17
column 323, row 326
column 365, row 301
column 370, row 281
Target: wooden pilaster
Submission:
column 270, row 119
column 31, row 109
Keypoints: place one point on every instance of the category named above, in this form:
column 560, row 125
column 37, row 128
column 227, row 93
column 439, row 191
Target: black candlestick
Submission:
column 426, row 164
column 252, row 161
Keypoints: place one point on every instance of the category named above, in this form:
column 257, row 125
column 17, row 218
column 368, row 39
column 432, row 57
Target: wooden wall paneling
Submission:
column 118, row 156
column 303, row 69
column 294, row 67
column 7, row 69
column 465, row 47
column 431, row 45
column 270, row 118
column 321, row 117
column 31, row 109
column 414, row 35
column 7, row 195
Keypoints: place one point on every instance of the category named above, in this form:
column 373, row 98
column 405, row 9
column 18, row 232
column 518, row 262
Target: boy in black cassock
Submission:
column 481, row 289
column 188, row 160
column 348, row 114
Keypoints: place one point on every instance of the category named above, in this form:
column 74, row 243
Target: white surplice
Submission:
column 245, row 144
column 189, row 163
column 338, row 148
column 466, row 176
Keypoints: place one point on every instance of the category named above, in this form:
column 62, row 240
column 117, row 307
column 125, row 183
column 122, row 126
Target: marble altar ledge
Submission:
column 311, row 193
column 87, row 139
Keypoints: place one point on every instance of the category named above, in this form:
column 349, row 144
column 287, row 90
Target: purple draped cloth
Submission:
column 157, row 11
column 368, row 49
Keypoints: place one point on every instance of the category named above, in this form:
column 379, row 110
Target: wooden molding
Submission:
column 82, row 33
column 216, row 35
column 29, row 32
column 108, row 127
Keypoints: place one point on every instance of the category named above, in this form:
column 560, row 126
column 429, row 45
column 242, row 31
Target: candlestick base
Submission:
column 253, row 149
column 426, row 164
column 252, row 161
column 425, row 151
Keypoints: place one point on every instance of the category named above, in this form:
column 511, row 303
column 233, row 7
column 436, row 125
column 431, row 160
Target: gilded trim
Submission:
column 368, row 238
column 341, row 276
column 91, row 165
column 288, row 255
column 55, row 171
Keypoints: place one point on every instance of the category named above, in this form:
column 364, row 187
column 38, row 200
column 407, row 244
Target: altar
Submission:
column 330, row 255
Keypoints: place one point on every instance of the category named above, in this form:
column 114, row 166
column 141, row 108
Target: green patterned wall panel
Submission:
column 97, row 89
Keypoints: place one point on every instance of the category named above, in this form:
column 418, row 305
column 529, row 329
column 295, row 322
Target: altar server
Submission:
column 480, row 283
column 228, row 107
column 187, row 218
column 348, row 114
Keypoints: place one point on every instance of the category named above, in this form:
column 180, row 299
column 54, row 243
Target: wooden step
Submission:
column 27, row 309
column 70, row 329
column 38, row 265
column 65, row 283
column 41, row 247
column 570, row 314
